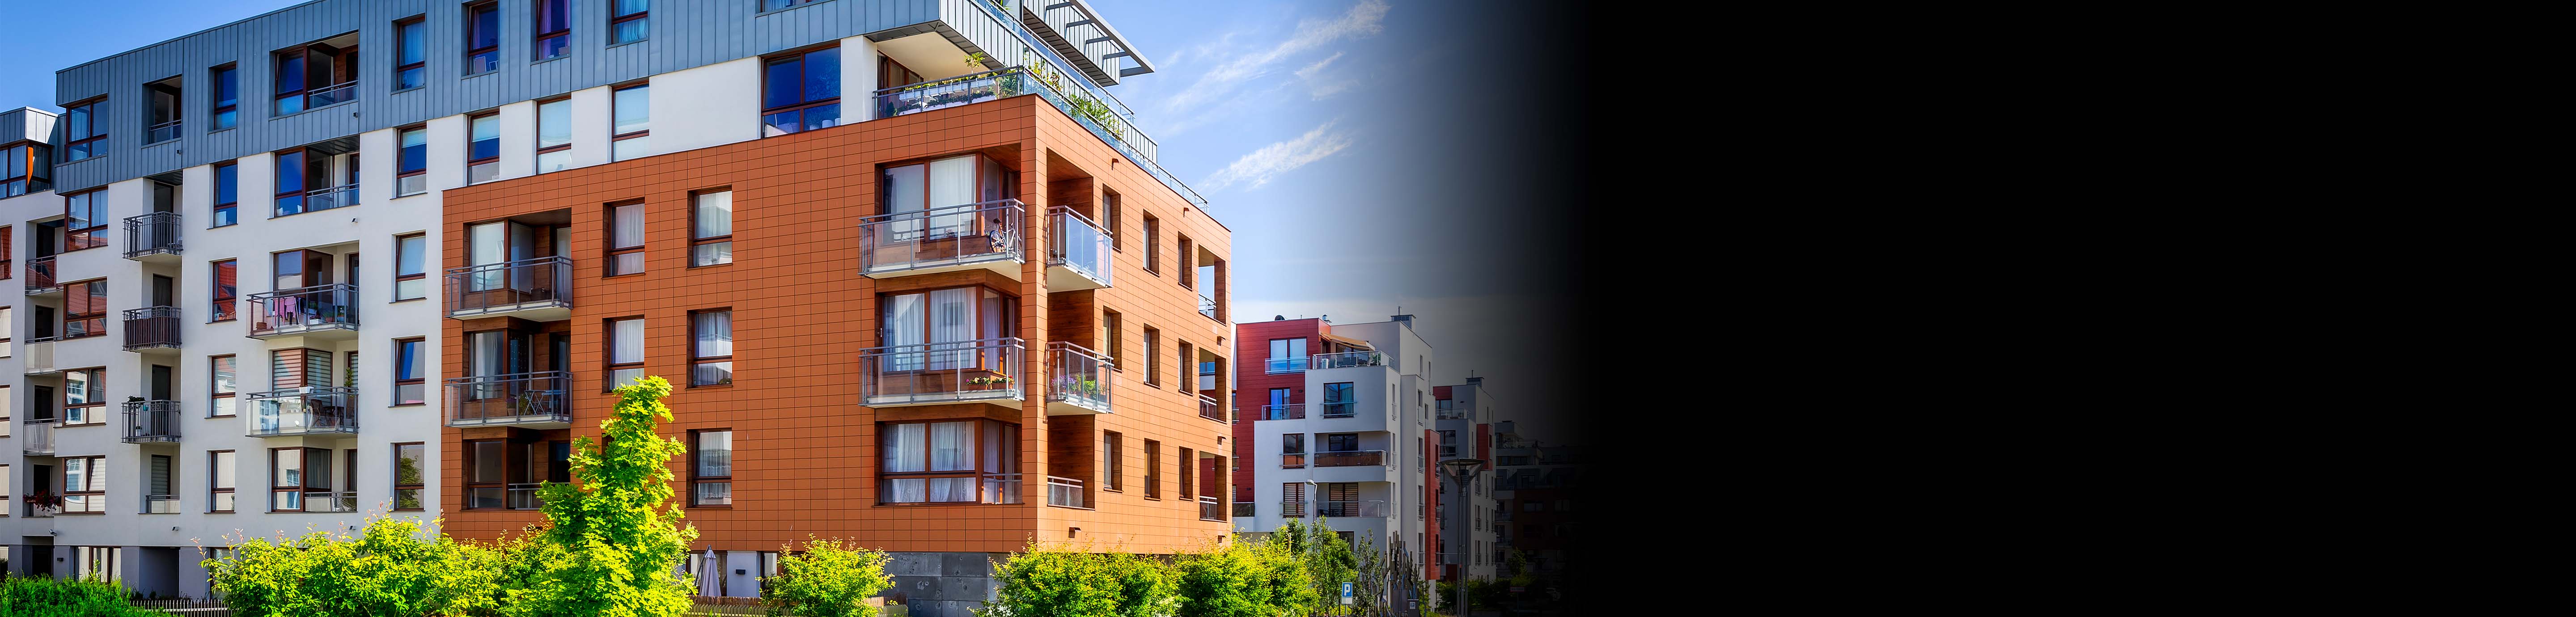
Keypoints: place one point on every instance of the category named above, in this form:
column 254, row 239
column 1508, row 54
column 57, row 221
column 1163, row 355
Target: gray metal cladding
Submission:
column 27, row 124
column 683, row 34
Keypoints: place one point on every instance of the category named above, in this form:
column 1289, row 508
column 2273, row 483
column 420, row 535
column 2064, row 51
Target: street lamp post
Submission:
column 1463, row 471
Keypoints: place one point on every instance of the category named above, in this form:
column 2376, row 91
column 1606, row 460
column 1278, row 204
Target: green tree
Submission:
column 615, row 538
column 829, row 579
column 1056, row 581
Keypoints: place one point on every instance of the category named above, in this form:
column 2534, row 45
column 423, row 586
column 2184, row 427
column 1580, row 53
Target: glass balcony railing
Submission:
column 891, row 244
column 320, row 97
column 1001, row 488
column 1210, row 509
column 160, row 504
column 1065, row 492
column 941, row 372
column 1077, row 376
column 154, row 327
column 39, row 358
column 1207, row 306
column 1289, row 411
column 1210, row 409
column 155, row 233
column 1338, row 409
column 1352, row 458
column 1244, row 509
column 1355, row 509
column 1276, row 366
column 1345, row 359
column 36, row 436
column 1076, row 243
column 317, row 200
column 302, row 411
column 147, row 421
column 495, row 400
column 314, row 501
column 526, row 284
column 162, row 132
column 299, row 311
column 40, row 276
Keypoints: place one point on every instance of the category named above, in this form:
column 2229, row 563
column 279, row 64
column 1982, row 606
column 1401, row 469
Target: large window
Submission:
column 1340, row 400
column 220, row 463
column 485, row 465
column 411, row 371
column 625, row 352
column 625, row 239
column 85, row 396
column 227, row 281
column 85, row 309
column 1114, row 449
column 711, row 468
column 482, row 37
column 225, row 385
column 227, row 110
column 949, row 324
column 81, row 135
column 801, row 91
column 411, row 267
column 553, row 28
column 411, row 53
column 411, row 173
column 227, row 194
column 938, row 462
column 632, row 111
column 23, row 171
column 711, row 228
column 84, row 221
column 628, row 21
column 1287, row 354
column 84, row 485
column 711, row 347
column 483, row 150
column 554, row 134
column 411, row 466
column 1292, row 451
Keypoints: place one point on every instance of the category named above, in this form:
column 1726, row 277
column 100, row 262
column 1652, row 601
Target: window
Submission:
column 625, row 239
column 1188, row 257
column 955, row 320
column 625, row 351
column 8, row 247
column 1189, row 474
column 1153, row 245
column 936, row 462
column 1339, row 401
column 554, row 133
column 482, row 37
column 484, row 468
column 631, row 134
column 84, row 485
column 711, row 468
column 227, row 111
column 1109, row 210
column 4, row 502
column 1153, row 356
column 85, row 309
column 225, row 386
column 553, row 28
column 1292, row 451
column 1153, row 469
column 711, row 228
column 1448, row 444
column 1292, row 499
column 1113, row 337
column 711, row 347
column 226, row 283
column 159, row 497
column 1185, row 353
column 411, row 53
column 85, row 396
column 317, row 74
column 8, row 322
column 1287, row 355
column 84, row 221
column 227, row 194
column 411, row 267
column 23, row 170
column 801, row 91
column 288, row 476
column 411, row 176
column 81, row 137
column 483, row 152
column 410, row 371
column 628, row 21
column 410, row 463
column 162, row 113
column 1116, row 446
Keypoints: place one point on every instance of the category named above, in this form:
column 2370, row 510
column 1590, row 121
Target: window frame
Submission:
column 423, row 275
column 401, row 160
column 88, row 113
column 805, row 102
column 974, row 457
column 473, row 13
column 615, row 20
column 1153, row 245
column 615, row 136
column 418, row 489
column 1114, row 447
column 1153, row 469
column 1110, row 210
column 95, row 469
column 726, row 238
column 63, row 405
column 214, row 386
column 98, row 301
column 215, row 107
column 608, row 351
column 695, row 359
column 96, row 232
column 495, row 159
column 218, row 484
column 422, row 65
column 222, row 208
column 538, row 37
column 540, row 122
column 420, row 359
column 1153, row 356
column 225, row 306
column 694, row 465
column 613, row 251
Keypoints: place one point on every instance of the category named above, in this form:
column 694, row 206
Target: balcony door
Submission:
column 164, row 291
column 940, row 329
column 161, row 380
column 491, row 245
column 490, row 354
column 924, row 196
column 298, row 269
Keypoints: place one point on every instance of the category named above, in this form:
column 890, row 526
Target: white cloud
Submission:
column 1322, row 84
column 1363, row 19
column 1279, row 158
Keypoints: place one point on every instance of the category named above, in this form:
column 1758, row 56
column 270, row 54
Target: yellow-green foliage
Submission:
column 830, row 579
column 1245, row 579
column 46, row 597
column 1068, row 581
column 617, row 535
column 385, row 570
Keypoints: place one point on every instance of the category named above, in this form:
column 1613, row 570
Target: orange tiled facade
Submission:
column 805, row 451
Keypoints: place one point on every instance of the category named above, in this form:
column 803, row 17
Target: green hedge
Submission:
column 47, row 597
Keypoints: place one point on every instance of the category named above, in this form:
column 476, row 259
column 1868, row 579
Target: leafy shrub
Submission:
column 829, row 579
column 1245, row 579
column 385, row 570
column 47, row 597
column 1063, row 581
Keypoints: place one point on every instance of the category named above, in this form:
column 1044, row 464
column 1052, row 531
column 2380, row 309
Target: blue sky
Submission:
column 1356, row 148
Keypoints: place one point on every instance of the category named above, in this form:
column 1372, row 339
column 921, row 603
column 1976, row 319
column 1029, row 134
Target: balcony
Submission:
column 302, row 411
column 160, row 504
column 1339, row 409
column 938, row 373
column 1292, row 461
column 1246, row 509
column 323, row 311
column 1207, row 306
column 151, row 421
column 1210, row 509
column 1275, row 366
column 1065, row 492
column 317, row 200
column 1077, row 380
column 1352, row 458
column 1212, row 410
column 1449, row 410
column 532, row 400
column 504, row 497
column 1290, row 411
column 152, row 237
column 320, row 97
column 162, row 132
column 1345, row 359
column 40, row 356
column 315, row 501
column 538, row 289
column 1355, row 509
column 152, row 328
column 1077, row 251
column 947, row 239
column 36, row 437
column 40, row 276
column 1000, row 488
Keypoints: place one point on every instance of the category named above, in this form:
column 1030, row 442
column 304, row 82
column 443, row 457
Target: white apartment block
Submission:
column 1463, row 420
column 1356, row 451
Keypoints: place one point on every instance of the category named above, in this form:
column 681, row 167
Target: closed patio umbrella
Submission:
column 709, row 582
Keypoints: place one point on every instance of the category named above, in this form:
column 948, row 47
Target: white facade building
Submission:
column 1357, row 457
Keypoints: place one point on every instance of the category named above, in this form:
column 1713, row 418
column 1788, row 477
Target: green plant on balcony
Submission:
column 995, row 382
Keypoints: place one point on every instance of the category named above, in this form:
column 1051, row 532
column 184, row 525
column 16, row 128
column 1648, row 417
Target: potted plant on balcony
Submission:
column 995, row 382
column 45, row 499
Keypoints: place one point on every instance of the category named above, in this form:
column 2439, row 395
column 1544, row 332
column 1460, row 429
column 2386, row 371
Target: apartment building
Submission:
column 1463, row 421
column 1339, row 425
column 914, row 286
column 1534, row 485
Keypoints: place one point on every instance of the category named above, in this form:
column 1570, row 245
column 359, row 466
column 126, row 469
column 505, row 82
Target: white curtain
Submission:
column 906, row 490
column 715, row 453
column 952, row 183
column 715, row 333
column 903, row 333
column 486, row 249
column 952, row 321
column 714, row 215
column 951, row 446
column 628, row 346
column 902, row 450
column 629, row 228
column 952, row 489
column 904, row 199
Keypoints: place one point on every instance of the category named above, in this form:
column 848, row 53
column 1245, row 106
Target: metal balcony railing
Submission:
column 1065, row 492
column 542, row 282
column 155, row 327
column 1352, row 458
column 162, row 132
column 941, row 372
column 1001, row 488
column 302, row 411
column 40, row 276
column 1207, row 306
column 1345, row 359
column 160, row 504
column 1077, row 375
column 1210, row 509
column 943, row 236
column 1076, row 243
column 148, row 421
column 1210, row 409
column 36, row 436
column 520, row 398
column 1283, row 365
column 154, row 233
column 319, row 97
column 1355, row 509
column 296, row 311
column 317, row 200
column 1290, row 411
